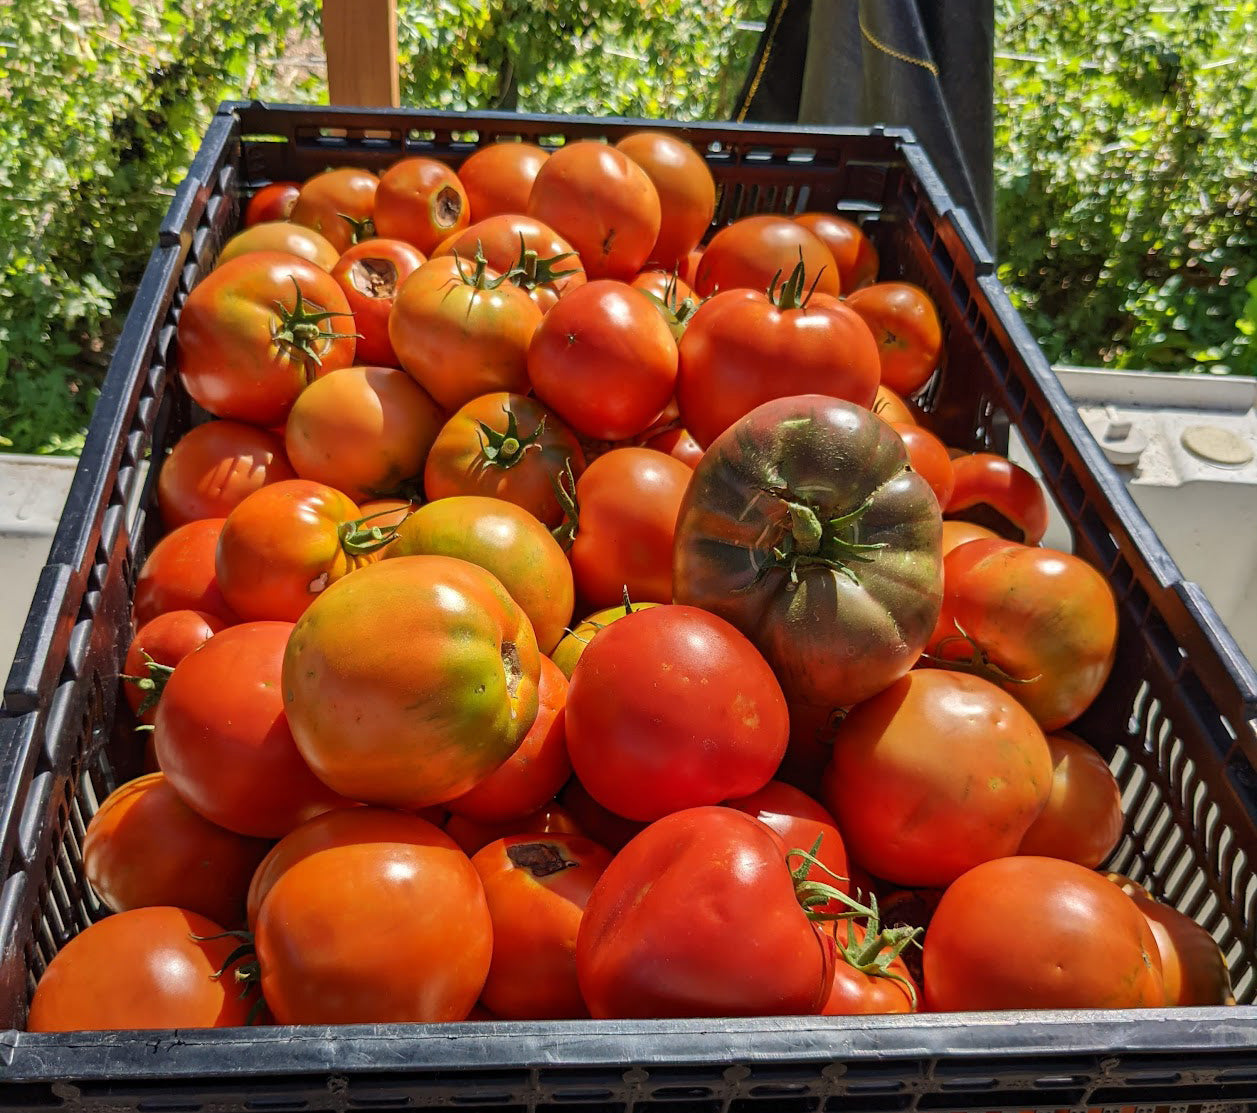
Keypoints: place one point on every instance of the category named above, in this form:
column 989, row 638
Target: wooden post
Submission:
column 360, row 40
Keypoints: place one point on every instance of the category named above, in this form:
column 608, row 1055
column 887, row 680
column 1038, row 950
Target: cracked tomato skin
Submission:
column 410, row 681
column 832, row 637
column 371, row 273
column 420, row 201
column 697, row 916
column 232, row 358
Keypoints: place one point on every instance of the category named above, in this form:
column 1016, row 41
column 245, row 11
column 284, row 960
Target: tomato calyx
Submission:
column 151, row 685
column 677, row 312
column 360, row 230
column 359, row 539
column 505, row 450
column 978, row 663
column 300, row 330
column 564, row 485
column 530, row 270
column 790, row 295
column 247, row 976
column 478, row 279
column 811, row 540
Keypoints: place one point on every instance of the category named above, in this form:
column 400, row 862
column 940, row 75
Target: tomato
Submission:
column 935, row 774
column 362, row 430
column 271, row 202
column 800, row 821
column 441, row 691
column 159, row 645
column 666, row 286
column 1040, row 623
column 806, row 529
column 179, row 575
column 530, row 777
column 385, row 515
column 867, row 979
column 146, row 847
column 928, row 456
column 1082, row 820
column 604, row 360
column 498, row 177
column 753, row 252
column 341, row 827
column 576, row 640
column 603, row 826
column 504, row 446
column 853, row 252
column 247, row 348
column 744, row 348
column 672, row 708
column 224, row 743
column 472, row 835
column 1038, row 933
column 629, row 501
column 909, row 336
column 284, row 236
column 420, row 201
column 141, row 969
column 462, row 333
column 534, row 255
column 956, row 533
column 675, row 928
column 678, row 444
column 687, row 191
column 371, row 273
column 890, row 407
column 374, row 933
column 505, row 540
column 284, row 544
column 1128, row 885
column 536, row 889
column 212, row 467
column 996, row 493
column 339, row 203
column 688, row 267
column 1193, row 968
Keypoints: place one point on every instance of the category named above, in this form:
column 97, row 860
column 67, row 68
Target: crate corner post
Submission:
column 360, row 41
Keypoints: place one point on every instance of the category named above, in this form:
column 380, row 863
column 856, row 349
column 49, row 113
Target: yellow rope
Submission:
column 763, row 63
column 898, row 54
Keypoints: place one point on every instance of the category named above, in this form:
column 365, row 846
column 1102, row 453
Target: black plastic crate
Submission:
column 1176, row 719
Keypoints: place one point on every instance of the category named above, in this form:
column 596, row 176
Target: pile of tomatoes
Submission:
column 563, row 618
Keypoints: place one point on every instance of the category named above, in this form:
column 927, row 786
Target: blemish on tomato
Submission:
column 319, row 582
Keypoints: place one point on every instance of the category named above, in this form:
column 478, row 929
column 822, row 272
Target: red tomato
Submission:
column 750, row 253
column 905, row 323
column 672, row 708
column 664, row 285
column 928, row 456
column 678, row 444
column 363, row 430
column 145, row 847
column 1082, row 820
column 339, row 203
column 498, row 177
column 341, row 827
column 375, row 933
column 504, row 446
column 604, row 360
column 179, row 575
column 271, row 202
column 534, row 255
column 698, row 916
column 800, row 821
column 1039, row 623
column 853, row 251
column 1193, row 968
column 285, row 236
column 420, row 201
column 371, row 273
column 1038, row 933
column 742, row 349
column 437, row 704
column 532, row 775
column 257, row 330
column 149, row 968
column 861, row 987
column 603, row 203
column 688, row 267
column 472, row 835
column 536, row 889
column 937, row 773
column 212, row 467
column 577, row 639
column 956, row 533
column 462, row 331
column 687, row 191
column 158, row 646
column 629, row 502
column 285, row 544
column 223, row 740
column 999, row 494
